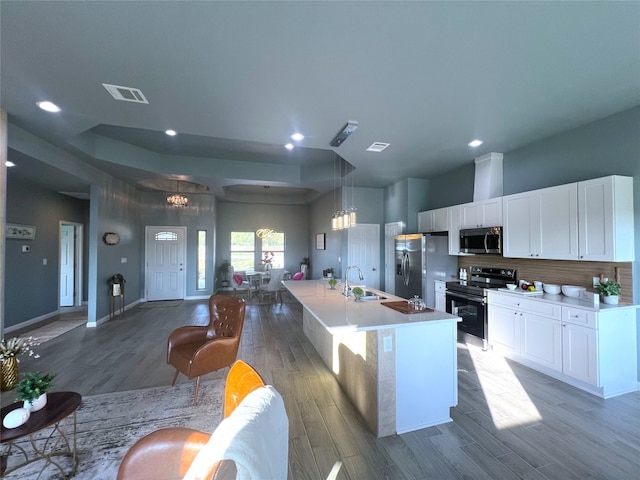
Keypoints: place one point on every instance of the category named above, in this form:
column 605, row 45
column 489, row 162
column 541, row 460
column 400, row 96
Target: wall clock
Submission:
column 111, row 238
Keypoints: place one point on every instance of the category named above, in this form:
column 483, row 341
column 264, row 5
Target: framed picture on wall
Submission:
column 25, row 232
column 320, row 245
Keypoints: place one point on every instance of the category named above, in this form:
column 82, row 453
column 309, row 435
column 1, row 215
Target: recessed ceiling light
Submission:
column 9, row 164
column 289, row 146
column 297, row 136
column 48, row 106
column 475, row 143
column 171, row 133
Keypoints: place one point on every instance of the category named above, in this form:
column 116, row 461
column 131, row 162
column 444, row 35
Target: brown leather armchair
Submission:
column 198, row 350
column 167, row 454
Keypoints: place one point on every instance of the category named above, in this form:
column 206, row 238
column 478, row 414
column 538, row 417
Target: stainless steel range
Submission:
column 468, row 300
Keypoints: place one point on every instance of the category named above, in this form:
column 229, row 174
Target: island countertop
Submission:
column 336, row 311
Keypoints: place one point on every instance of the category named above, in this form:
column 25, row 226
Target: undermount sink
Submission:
column 368, row 295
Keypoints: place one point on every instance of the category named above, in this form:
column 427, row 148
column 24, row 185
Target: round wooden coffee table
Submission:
column 60, row 405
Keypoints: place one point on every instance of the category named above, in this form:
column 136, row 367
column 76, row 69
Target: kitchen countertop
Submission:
column 337, row 312
column 568, row 301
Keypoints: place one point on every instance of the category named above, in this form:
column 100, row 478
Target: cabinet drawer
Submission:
column 579, row 316
column 441, row 287
column 516, row 302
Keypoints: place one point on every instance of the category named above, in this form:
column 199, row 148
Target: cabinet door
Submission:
column 425, row 221
column 454, row 231
column 542, row 340
column 579, row 353
column 469, row 215
column 504, row 329
column 520, row 215
column 605, row 212
column 557, row 235
column 441, row 302
column 491, row 212
column 440, row 220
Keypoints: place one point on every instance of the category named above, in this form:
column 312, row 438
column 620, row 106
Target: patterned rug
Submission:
column 110, row 423
column 161, row 304
column 68, row 322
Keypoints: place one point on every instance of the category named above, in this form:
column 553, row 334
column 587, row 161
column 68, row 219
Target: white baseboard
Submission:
column 106, row 318
column 32, row 321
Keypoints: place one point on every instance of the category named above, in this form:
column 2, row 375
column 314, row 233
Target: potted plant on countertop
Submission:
column 32, row 389
column 610, row 291
column 358, row 293
column 332, row 283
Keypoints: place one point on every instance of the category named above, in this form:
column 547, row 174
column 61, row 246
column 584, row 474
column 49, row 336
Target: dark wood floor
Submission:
column 510, row 423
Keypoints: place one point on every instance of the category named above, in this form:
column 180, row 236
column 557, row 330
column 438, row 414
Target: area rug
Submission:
column 109, row 424
column 57, row 328
column 161, row 304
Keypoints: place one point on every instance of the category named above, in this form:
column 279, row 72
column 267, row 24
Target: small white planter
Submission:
column 37, row 404
column 611, row 299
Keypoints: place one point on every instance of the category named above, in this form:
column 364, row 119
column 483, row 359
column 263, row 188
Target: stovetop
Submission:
column 483, row 279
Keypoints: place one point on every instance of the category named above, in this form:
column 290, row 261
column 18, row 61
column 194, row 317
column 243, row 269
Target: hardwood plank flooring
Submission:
column 511, row 422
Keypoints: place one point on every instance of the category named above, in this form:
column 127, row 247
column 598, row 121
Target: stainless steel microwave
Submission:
column 481, row 240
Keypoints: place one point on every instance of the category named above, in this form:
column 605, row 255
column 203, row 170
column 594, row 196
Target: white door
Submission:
column 165, row 263
column 390, row 231
column 67, row 257
column 364, row 251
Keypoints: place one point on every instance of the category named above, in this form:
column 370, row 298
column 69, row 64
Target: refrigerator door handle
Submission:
column 405, row 268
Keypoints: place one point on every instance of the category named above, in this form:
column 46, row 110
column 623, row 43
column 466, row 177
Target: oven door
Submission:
column 473, row 312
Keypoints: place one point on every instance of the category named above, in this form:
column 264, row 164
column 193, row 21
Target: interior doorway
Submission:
column 70, row 262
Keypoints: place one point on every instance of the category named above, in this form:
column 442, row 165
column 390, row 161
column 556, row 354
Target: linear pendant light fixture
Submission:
column 343, row 217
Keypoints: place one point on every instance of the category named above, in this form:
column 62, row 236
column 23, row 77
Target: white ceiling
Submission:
column 235, row 79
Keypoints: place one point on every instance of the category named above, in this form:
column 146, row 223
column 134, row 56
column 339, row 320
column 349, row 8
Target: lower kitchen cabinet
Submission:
column 441, row 301
column 591, row 348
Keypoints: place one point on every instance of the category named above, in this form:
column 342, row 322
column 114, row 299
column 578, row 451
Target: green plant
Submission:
column 609, row 288
column 304, row 261
column 357, row 291
column 332, row 282
column 34, row 384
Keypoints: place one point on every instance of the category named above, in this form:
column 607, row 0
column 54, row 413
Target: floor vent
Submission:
column 377, row 147
column 126, row 94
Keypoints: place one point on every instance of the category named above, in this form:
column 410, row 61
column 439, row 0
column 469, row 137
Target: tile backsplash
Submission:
column 561, row 272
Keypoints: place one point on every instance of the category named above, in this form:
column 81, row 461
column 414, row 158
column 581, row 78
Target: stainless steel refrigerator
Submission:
column 422, row 258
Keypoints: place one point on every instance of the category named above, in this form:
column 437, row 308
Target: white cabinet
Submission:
column 434, row 220
column 542, row 223
column 605, row 212
column 440, row 289
column 592, row 349
column 590, row 220
column 485, row 213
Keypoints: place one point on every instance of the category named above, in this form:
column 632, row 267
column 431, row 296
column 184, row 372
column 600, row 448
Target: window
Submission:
column 167, row 236
column 201, row 279
column 243, row 246
column 273, row 250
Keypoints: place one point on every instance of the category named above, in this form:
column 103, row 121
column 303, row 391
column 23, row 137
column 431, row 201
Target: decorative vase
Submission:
column 10, row 374
column 358, row 298
column 36, row 404
column 611, row 299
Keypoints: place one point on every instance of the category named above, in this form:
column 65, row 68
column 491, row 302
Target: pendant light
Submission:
column 176, row 199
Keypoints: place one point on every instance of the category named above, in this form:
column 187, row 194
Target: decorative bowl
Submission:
column 511, row 286
column 551, row 288
column 572, row 290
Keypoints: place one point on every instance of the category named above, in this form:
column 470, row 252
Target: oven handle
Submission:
column 471, row 298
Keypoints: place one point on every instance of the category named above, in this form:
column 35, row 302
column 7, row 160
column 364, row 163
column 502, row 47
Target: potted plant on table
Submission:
column 610, row 291
column 358, row 293
column 32, row 389
column 332, row 283
column 9, row 352
column 224, row 271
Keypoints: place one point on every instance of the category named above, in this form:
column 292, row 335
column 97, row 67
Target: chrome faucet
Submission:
column 347, row 289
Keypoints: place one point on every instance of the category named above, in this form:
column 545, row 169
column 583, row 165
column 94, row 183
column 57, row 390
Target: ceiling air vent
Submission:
column 377, row 147
column 126, row 94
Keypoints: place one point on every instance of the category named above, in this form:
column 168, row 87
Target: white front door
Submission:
column 67, row 257
column 165, row 263
column 364, row 251
column 390, row 231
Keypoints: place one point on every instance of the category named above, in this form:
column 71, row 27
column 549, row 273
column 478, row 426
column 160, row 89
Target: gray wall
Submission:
column 31, row 288
column 199, row 215
column 242, row 217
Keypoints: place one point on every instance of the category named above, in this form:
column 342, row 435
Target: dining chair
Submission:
column 238, row 283
column 274, row 287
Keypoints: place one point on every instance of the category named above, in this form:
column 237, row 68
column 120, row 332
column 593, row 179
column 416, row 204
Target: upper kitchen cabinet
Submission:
column 542, row 223
column 605, row 212
column 484, row 213
column 590, row 220
column 434, row 220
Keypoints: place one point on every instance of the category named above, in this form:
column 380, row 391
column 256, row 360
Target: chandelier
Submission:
column 344, row 217
column 177, row 199
column 264, row 232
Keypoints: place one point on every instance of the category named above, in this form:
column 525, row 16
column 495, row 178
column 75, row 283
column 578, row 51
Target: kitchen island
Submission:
column 399, row 370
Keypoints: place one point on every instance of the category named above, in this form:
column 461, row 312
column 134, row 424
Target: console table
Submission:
column 57, row 442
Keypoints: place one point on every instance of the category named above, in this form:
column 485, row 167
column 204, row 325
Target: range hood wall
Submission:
column 488, row 177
